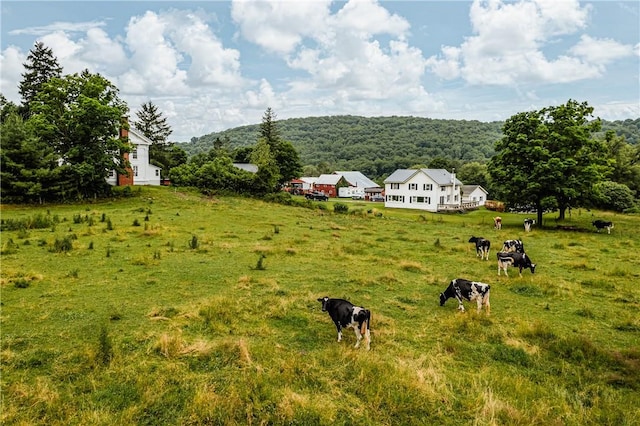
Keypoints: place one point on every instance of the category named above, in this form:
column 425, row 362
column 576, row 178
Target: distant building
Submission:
column 358, row 185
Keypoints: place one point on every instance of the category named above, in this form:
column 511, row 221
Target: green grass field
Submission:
column 171, row 308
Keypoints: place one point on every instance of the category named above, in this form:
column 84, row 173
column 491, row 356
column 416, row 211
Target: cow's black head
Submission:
column 324, row 301
column 533, row 268
column 443, row 299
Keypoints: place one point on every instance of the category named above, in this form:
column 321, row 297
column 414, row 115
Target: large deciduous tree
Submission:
column 549, row 153
column 79, row 116
column 41, row 66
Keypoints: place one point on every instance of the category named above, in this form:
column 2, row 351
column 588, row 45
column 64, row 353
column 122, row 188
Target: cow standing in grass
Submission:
column 482, row 247
column 462, row 289
column 497, row 222
column 513, row 246
column 344, row 315
column 601, row 224
column 528, row 223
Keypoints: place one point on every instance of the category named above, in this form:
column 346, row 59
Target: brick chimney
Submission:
column 124, row 134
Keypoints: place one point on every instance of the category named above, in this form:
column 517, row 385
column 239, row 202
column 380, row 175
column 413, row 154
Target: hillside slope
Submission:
column 379, row 145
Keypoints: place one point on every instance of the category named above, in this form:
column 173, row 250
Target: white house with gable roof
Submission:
column 142, row 172
column 424, row 189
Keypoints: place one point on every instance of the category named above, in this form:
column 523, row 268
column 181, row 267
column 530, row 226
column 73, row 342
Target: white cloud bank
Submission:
column 351, row 58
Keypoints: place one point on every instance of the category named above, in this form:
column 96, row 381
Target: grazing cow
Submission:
column 482, row 247
column 510, row 246
column 601, row 224
column 497, row 222
column 468, row 290
column 520, row 260
column 345, row 315
column 527, row 224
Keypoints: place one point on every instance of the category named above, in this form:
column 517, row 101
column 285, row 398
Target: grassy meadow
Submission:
column 170, row 308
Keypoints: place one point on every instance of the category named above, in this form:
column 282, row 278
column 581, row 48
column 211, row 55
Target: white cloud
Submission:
column 11, row 60
column 280, row 26
column 600, row 51
column 508, row 41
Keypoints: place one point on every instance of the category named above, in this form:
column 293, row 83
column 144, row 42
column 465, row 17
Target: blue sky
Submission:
column 214, row 65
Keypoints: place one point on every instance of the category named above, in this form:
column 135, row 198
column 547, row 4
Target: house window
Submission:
column 112, row 173
column 396, row 198
column 395, row 186
column 157, row 172
column 427, row 187
column 420, row 200
column 135, row 170
column 134, row 153
column 443, row 188
column 413, row 186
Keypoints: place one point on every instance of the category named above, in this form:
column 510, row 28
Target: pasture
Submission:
column 173, row 308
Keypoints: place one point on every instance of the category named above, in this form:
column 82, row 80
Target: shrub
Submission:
column 613, row 196
column 63, row 244
column 340, row 208
column 193, row 244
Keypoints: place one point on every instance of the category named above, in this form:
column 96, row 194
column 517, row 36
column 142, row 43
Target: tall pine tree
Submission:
column 286, row 157
column 41, row 66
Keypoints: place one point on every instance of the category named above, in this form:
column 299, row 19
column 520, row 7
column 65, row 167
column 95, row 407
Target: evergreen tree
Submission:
column 27, row 163
column 287, row 160
column 79, row 116
column 41, row 66
column 152, row 124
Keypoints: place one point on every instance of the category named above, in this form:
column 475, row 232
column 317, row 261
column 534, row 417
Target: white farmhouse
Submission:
column 141, row 172
column 423, row 189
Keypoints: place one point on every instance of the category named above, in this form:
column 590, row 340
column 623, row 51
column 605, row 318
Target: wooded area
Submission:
column 377, row 146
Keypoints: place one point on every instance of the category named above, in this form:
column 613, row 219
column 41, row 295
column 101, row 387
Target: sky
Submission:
column 215, row 65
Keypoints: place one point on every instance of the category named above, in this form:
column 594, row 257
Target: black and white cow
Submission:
column 467, row 290
column 601, row 224
column 528, row 223
column 519, row 260
column 510, row 246
column 344, row 315
column 482, row 247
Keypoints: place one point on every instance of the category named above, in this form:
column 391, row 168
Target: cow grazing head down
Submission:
column 463, row 289
column 482, row 247
column 345, row 315
column 519, row 260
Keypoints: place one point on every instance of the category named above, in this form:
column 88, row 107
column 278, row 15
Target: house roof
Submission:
column 309, row 179
column 439, row 176
column 328, row 179
column 468, row 189
column 248, row 167
column 358, row 179
column 137, row 138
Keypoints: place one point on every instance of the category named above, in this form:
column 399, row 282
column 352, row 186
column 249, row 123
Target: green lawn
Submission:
column 173, row 308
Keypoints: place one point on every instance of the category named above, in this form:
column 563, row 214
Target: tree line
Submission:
column 63, row 140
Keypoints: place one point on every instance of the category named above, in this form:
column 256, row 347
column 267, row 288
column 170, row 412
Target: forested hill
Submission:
column 381, row 144
column 347, row 142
